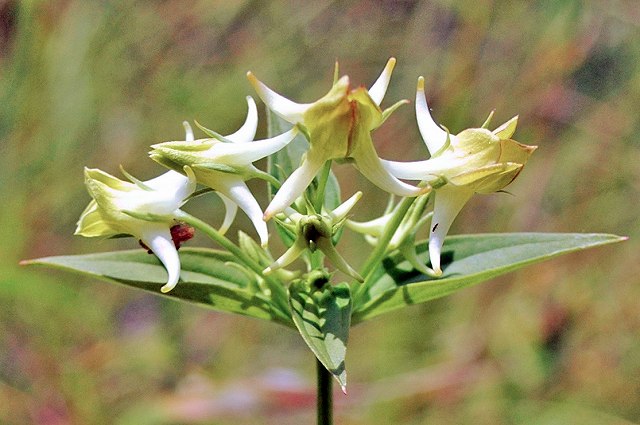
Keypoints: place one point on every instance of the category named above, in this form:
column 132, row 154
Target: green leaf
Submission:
column 208, row 277
column 323, row 317
column 467, row 260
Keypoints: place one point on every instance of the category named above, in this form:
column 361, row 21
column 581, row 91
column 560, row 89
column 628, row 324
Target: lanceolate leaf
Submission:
column 467, row 260
column 208, row 277
column 323, row 318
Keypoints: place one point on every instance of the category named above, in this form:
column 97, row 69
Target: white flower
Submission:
column 339, row 127
column 474, row 161
column 224, row 163
column 107, row 215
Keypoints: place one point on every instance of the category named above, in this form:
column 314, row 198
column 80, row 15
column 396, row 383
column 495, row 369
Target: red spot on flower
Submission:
column 179, row 233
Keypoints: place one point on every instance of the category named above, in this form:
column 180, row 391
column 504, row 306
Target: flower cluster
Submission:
column 337, row 126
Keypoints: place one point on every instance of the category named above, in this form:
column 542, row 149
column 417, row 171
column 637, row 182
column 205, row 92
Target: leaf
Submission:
column 323, row 318
column 208, row 277
column 467, row 260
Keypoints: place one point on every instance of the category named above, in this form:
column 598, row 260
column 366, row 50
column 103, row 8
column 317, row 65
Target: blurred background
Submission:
column 88, row 82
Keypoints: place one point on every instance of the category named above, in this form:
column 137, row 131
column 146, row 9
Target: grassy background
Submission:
column 96, row 82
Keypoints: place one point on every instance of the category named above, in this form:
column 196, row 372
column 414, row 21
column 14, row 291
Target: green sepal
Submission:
column 391, row 109
column 216, row 166
column 134, row 180
column 212, row 133
column 487, row 122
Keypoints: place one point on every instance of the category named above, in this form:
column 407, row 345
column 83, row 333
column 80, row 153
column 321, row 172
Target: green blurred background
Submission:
column 88, row 82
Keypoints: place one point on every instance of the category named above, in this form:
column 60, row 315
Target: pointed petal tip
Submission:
column 188, row 132
column 166, row 288
column 420, row 86
column 287, row 109
column 379, row 88
column 344, row 389
column 391, row 63
column 264, row 237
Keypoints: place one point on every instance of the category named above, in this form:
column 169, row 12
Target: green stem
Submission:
column 325, row 395
column 382, row 246
column 322, row 184
column 279, row 293
column 383, row 241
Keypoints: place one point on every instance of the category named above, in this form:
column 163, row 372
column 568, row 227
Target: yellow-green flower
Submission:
column 338, row 127
column 315, row 232
column 107, row 215
column 474, row 161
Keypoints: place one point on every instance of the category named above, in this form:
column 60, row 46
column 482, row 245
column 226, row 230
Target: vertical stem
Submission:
column 322, row 184
column 325, row 395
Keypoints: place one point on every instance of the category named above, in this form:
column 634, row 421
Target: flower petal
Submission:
column 371, row 167
column 449, row 200
column 230, row 208
column 408, row 251
column 242, row 154
column 341, row 211
column 172, row 182
column 91, row 224
column 293, row 187
column 247, row 132
column 286, row 109
column 433, row 135
column 372, row 227
column 506, row 130
column 379, row 88
column 414, row 170
column 188, row 137
column 159, row 241
column 235, row 189
column 289, row 256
